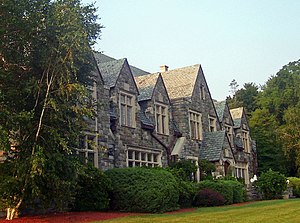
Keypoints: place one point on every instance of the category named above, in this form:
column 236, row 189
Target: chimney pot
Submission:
column 164, row 68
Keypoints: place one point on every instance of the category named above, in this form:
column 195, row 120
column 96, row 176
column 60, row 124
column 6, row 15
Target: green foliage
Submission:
column 92, row 190
column 183, row 169
column 206, row 169
column 45, row 64
column 232, row 191
column 295, row 184
column 187, row 191
column 245, row 97
column 143, row 190
column 271, row 184
column 208, row 198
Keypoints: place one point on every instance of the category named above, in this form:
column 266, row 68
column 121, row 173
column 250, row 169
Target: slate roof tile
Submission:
column 146, row 85
column 212, row 146
column 220, row 108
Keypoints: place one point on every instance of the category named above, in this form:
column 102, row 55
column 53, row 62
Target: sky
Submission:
column 248, row 41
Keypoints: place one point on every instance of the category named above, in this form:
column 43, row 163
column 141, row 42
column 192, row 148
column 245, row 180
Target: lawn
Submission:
column 264, row 211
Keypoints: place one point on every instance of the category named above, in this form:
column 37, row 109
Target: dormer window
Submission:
column 162, row 119
column 195, row 125
column 127, row 109
column 212, row 124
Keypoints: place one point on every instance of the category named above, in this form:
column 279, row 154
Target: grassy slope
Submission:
column 265, row 211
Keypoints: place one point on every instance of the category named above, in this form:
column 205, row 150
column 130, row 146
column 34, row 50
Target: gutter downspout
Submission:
column 168, row 148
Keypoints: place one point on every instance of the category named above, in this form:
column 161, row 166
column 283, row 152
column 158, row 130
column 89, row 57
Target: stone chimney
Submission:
column 163, row 68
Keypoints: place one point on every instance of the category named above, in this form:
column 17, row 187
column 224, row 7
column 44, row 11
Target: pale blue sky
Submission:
column 247, row 40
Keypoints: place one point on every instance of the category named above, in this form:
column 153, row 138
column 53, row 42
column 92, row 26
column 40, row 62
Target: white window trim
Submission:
column 199, row 130
column 229, row 132
column 163, row 127
column 212, row 124
column 133, row 108
column 88, row 151
column 138, row 161
column 246, row 140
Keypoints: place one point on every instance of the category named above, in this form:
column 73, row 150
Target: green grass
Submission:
column 264, row 211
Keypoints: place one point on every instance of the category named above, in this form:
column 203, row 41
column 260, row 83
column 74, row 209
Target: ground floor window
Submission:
column 87, row 151
column 142, row 157
column 241, row 171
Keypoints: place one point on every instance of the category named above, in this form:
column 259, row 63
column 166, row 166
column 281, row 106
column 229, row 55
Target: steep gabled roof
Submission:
column 146, row 85
column 180, row 82
column 237, row 114
column 102, row 58
column 220, row 108
column 110, row 71
column 212, row 146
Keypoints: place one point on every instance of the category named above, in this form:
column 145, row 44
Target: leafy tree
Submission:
column 271, row 184
column 274, row 123
column 245, row 97
column 45, row 60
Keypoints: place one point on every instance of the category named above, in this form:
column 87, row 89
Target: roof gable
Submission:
column 110, row 71
column 180, row 82
column 220, row 108
column 238, row 114
column 212, row 146
column 146, row 85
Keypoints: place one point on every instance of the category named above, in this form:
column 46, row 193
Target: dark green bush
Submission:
column 239, row 191
column 92, row 190
column 184, row 169
column 271, row 184
column 232, row 191
column 143, row 190
column 220, row 187
column 187, row 191
column 295, row 184
column 208, row 198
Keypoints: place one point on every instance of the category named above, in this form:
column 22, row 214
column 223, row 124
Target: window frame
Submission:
column 161, row 118
column 137, row 160
column 195, row 125
column 86, row 150
column 212, row 123
column 127, row 118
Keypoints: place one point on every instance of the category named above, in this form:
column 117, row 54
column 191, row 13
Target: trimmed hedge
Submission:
column 92, row 190
column 208, row 198
column 232, row 191
column 143, row 190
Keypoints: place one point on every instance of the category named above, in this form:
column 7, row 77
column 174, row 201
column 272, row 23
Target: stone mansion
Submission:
column 146, row 119
column 153, row 119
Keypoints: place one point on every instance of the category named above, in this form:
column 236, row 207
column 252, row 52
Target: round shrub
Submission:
column 271, row 184
column 143, row 190
column 208, row 198
column 295, row 184
column 219, row 186
column 92, row 190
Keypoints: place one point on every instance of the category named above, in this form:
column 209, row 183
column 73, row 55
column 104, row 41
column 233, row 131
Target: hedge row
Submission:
column 232, row 191
column 150, row 190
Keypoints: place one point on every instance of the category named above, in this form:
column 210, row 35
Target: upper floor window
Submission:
column 127, row 107
column 195, row 125
column 162, row 119
column 202, row 92
column 212, row 124
column 88, row 152
column 245, row 139
column 229, row 133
